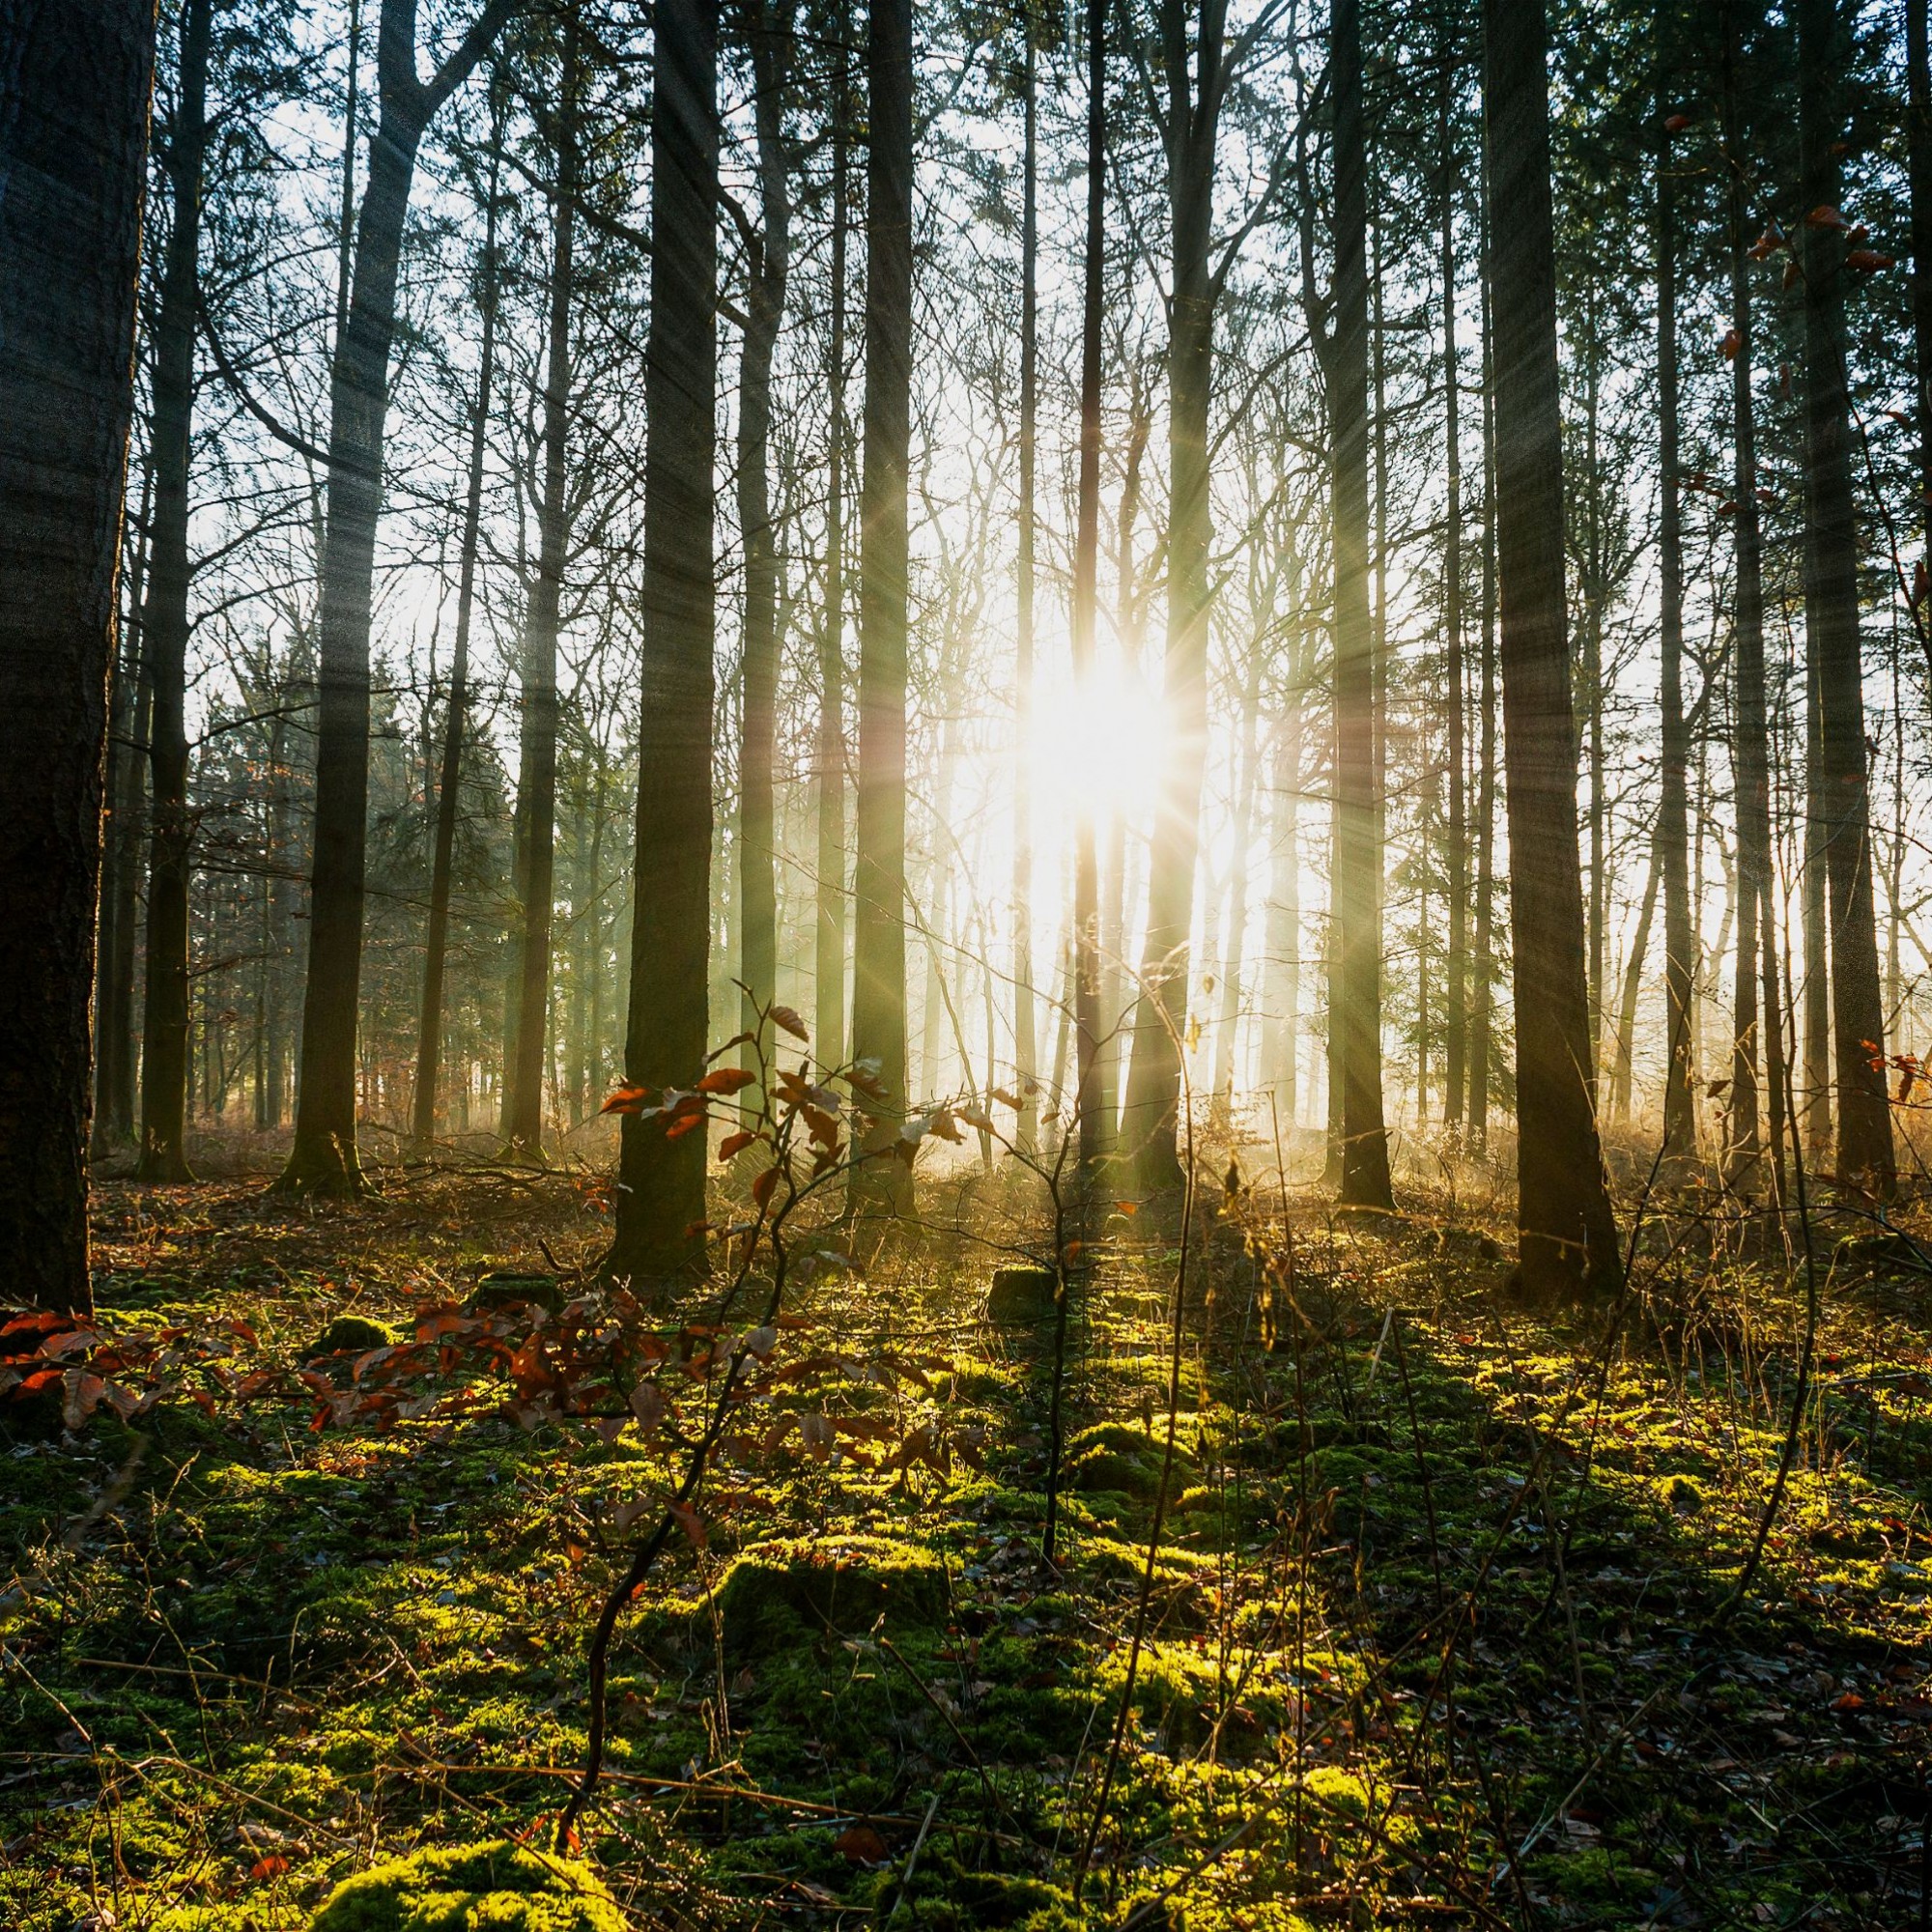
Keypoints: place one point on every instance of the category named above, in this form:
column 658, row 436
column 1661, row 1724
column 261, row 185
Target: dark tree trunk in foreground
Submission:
column 164, row 627
column 1357, row 1018
column 75, row 78
column 1831, row 615
column 1673, row 830
column 770, row 30
column 1193, row 82
column 661, row 1181
column 1456, row 1044
column 1918, row 156
column 878, row 937
column 1567, row 1233
column 536, row 781
column 1758, row 1112
column 827, row 958
column 1481, row 1006
column 436, row 946
column 324, row 1158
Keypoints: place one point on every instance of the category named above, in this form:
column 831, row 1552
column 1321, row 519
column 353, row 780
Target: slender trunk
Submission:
column 1626, row 1042
column 1758, row 1032
column 164, row 626
column 522, row 1126
column 1831, row 611
column 324, row 1158
column 1593, row 674
column 1357, row 1018
column 828, row 935
column 1567, row 1233
column 770, row 32
column 73, row 125
column 1673, row 831
column 879, row 884
column 1087, row 1015
column 1456, row 993
column 1483, row 1005
column 1235, row 919
column 1025, row 1024
column 661, row 1196
column 1284, row 1004
column 1194, row 89
column 1918, row 163
column 429, row 1034
column 1817, row 952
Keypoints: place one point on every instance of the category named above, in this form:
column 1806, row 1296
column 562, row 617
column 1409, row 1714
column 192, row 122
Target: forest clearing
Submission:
column 965, row 966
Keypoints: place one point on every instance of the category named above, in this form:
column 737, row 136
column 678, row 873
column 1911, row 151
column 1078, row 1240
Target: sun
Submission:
column 1098, row 742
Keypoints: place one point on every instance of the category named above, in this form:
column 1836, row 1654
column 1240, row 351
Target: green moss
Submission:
column 776, row 1589
column 351, row 1335
column 493, row 1887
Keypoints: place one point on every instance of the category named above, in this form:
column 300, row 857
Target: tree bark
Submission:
column 1357, row 1020
column 1195, row 89
column 1866, row 1154
column 529, row 1056
column 448, row 796
column 879, row 879
column 1456, row 993
column 1482, row 1011
column 770, row 32
column 1918, row 167
column 660, row 1181
column 1673, row 824
column 1026, row 1051
column 324, row 1158
column 74, row 79
column 1567, row 1233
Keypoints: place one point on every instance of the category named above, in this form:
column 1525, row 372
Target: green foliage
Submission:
column 353, row 1335
column 492, row 1887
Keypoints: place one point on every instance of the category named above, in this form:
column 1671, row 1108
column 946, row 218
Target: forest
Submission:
column 959, row 966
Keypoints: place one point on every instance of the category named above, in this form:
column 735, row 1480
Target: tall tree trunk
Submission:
column 1235, row 919
column 1567, row 1234
column 1088, row 1019
column 164, row 626
column 1673, row 824
column 770, row 32
column 1757, row 1032
column 1831, row 611
column 131, row 712
column 1026, row 1050
column 1194, row 87
column 1481, row 1013
column 529, row 1056
column 1357, row 1018
column 448, row 796
column 1817, row 1081
column 1283, row 1006
column 829, row 931
column 1593, row 673
column 1918, row 163
column 324, row 1158
column 1456, row 993
column 1626, row 1044
column 879, row 879
column 73, row 127
column 661, row 1195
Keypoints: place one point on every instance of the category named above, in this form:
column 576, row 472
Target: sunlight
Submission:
column 1099, row 743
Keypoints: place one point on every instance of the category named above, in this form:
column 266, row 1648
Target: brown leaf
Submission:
column 264, row 1870
column 626, row 1100
column 735, row 1143
column 786, row 1018
column 860, row 1844
column 726, row 1080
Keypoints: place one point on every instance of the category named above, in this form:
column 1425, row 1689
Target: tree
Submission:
column 75, row 81
column 1567, row 1234
column 659, row 1233
column 536, row 778
column 879, row 878
column 324, row 1158
column 1357, row 1018
column 1025, row 1023
column 1831, row 611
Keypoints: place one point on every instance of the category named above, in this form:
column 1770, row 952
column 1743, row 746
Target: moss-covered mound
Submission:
column 775, row 1590
column 1114, row 1457
column 493, row 1887
column 351, row 1335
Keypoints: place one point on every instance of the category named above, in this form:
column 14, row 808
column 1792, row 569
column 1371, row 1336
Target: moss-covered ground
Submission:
column 1444, row 1626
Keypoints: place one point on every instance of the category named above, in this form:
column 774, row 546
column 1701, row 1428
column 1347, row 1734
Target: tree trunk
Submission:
column 521, row 1124
column 1088, row 1020
column 164, row 626
column 661, row 1193
column 879, row 881
column 1456, row 993
column 1194, row 94
column 1621, row 1086
column 1594, row 592
column 73, row 126
column 429, row 1034
column 1673, row 824
column 324, row 1158
column 770, row 32
column 1567, row 1234
column 1817, row 1080
column 829, row 933
column 1026, row 1051
column 1235, row 919
column 1757, row 1032
column 1832, row 612
column 1357, row 1017
column 1918, row 162
column 1481, row 1011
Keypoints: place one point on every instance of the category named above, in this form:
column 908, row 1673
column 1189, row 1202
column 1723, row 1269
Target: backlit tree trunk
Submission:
column 73, row 126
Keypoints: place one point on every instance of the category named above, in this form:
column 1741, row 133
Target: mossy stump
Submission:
column 350, row 1335
column 493, row 1885
column 775, row 1591
column 1021, row 1296
column 497, row 1292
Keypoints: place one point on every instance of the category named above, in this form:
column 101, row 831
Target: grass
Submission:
column 1442, row 1625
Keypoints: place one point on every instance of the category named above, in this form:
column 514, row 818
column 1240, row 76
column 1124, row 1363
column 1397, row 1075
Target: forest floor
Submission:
column 1444, row 1626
